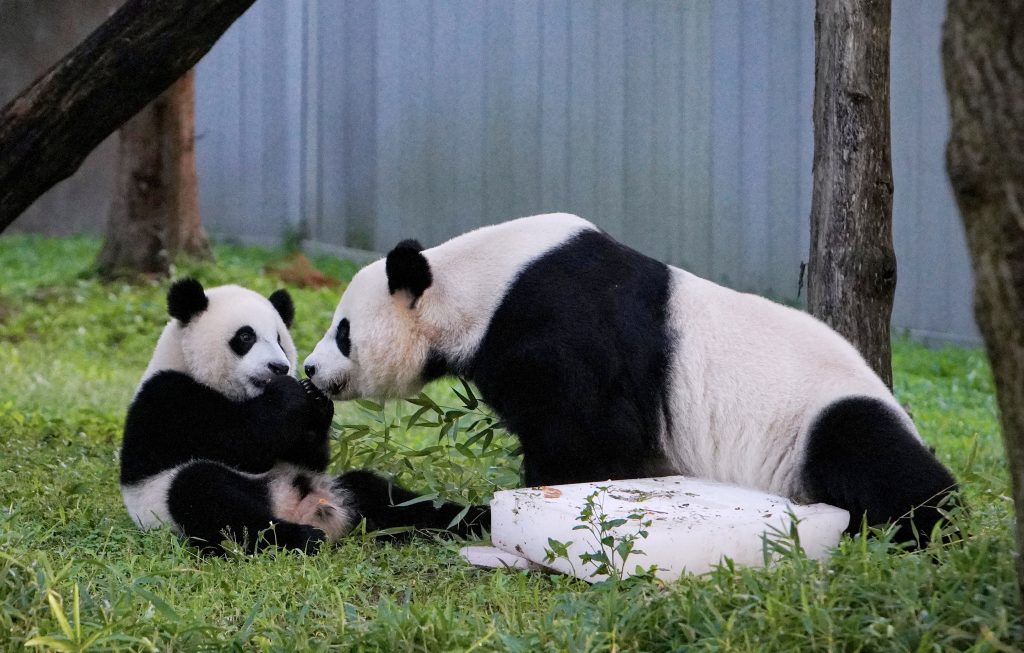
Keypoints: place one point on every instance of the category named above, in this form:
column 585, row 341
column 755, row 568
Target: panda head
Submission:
column 378, row 342
column 228, row 338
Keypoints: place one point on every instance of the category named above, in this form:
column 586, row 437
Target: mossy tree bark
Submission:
column 144, row 47
column 851, row 273
column 155, row 212
column 983, row 57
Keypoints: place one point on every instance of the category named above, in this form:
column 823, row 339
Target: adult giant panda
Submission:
column 608, row 364
column 221, row 440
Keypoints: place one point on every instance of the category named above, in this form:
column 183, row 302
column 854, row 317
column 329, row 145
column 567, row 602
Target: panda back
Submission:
column 751, row 376
column 167, row 355
column 474, row 272
column 575, row 360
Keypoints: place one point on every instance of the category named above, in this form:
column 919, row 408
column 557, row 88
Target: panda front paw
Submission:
column 322, row 407
column 316, row 396
column 283, row 407
column 284, row 391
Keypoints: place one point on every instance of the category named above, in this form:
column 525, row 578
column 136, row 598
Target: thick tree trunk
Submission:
column 185, row 232
column 155, row 212
column 983, row 55
column 851, row 274
column 48, row 130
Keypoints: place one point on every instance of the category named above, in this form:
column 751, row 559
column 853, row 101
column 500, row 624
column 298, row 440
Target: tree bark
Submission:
column 851, row 273
column 155, row 211
column 187, row 235
column 48, row 130
column 983, row 57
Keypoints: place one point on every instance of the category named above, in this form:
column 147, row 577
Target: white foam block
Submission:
column 694, row 524
column 494, row 558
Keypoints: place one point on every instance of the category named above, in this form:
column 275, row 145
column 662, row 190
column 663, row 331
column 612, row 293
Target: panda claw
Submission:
column 313, row 391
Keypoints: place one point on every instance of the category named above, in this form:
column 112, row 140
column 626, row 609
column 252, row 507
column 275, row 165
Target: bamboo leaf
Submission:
column 471, row 401
column 413, row 419
column 159, row 604
column 370, row 405
column 420, row 499
column 51, row 643
column 459, row 517
column 57, row 608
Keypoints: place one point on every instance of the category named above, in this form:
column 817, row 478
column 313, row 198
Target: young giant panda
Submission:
column 608, row 364
column 221, row 440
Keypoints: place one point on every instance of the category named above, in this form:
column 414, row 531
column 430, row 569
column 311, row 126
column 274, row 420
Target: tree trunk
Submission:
column 851, row 274
column 983, row 56
column 185, row 234
column 48, row 130
column 155, row 211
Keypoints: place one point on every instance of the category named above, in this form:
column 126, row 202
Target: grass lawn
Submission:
column 75, row 573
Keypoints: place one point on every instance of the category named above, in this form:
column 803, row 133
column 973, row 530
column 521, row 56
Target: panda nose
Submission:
column 310, row 371
column 278, row 368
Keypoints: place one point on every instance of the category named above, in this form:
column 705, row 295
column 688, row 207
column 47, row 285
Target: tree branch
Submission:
column 48, row 130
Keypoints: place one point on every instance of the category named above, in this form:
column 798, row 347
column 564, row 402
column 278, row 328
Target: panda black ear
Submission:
column 186, row 299
column 282, row 301
column 407, row 269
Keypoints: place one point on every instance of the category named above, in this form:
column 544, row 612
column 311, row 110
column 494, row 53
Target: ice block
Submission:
column 694, row 524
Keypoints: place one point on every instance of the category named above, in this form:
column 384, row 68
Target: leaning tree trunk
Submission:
column 983, row 55
column 851, row 274
column 47, row 131
column 155, row 212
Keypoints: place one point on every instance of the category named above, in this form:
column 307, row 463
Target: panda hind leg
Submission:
column 376, row 499
column 211, row 503
column 860, row 456
column 302, row 496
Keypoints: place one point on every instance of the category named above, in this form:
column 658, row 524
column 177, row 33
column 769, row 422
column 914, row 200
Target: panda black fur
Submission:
column 221, row 441
column 609, row 364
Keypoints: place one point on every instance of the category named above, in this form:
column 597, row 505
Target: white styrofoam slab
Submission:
column 694, row 524
column 494, row 558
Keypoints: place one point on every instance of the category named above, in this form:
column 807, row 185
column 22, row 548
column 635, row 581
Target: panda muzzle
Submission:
column 337, row 387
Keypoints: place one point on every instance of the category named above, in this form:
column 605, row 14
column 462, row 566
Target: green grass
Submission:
column 72, row 350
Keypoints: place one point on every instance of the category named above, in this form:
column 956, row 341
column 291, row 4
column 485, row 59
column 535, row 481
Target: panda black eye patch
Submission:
column 243, row 340
column 342, row 339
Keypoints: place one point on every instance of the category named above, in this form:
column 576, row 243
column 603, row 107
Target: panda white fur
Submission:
column 220, row 441
column 609, row 364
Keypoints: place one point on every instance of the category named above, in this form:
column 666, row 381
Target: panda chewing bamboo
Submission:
column 220, row 441
column 608, row 364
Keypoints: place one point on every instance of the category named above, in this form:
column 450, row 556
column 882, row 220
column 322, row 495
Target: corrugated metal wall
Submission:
column 682, row 127
column 34, row 34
